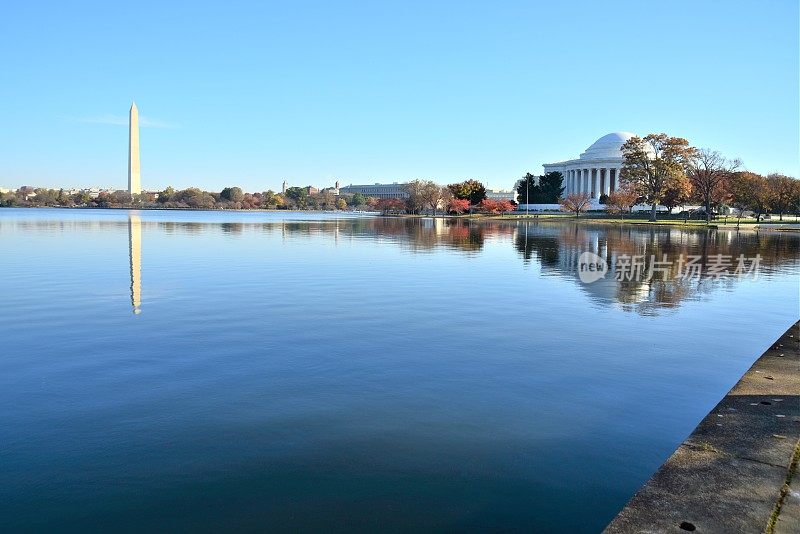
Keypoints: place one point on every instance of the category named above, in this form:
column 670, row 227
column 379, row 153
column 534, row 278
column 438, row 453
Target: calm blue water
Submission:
column 296, row 372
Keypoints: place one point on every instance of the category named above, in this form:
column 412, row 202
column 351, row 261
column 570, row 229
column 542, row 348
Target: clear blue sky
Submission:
column 251, row 93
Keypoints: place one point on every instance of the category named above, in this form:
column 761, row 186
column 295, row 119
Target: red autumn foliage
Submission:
column 507, row 205
column 458, row 205
column 489, row 205
column 387, row 205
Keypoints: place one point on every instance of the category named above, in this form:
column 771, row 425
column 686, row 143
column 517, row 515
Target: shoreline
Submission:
column 726, row 224
column 786, row 226
column 737, row 471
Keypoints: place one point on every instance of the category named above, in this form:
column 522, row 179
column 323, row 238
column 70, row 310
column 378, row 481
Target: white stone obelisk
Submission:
column 134, row 173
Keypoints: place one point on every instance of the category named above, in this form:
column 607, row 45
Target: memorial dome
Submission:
column 607, row 146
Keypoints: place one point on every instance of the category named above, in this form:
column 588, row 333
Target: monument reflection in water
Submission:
column 135, row 256
column 556, row 247
column 299, row 372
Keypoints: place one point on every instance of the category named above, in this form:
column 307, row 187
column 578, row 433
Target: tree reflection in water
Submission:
column 554, row 246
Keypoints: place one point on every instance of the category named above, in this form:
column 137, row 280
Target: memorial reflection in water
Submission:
column 657, row 257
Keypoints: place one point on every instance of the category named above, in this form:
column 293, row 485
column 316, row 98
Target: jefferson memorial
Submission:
column 596, row 171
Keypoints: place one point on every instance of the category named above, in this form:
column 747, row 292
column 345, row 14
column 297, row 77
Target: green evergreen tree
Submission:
column 551, row 187
column 528, row 191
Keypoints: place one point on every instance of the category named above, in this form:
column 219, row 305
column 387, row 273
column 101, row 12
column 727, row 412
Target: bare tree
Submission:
column 327, row 199
column 433, row 195
column 710, row 173
column 575, row 203
column 416, row 195
column 621, row 201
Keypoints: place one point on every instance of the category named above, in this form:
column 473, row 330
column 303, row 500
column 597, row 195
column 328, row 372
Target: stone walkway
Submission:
column 731, row 473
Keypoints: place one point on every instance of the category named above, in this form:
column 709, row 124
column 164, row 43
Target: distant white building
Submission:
column 394, row 190
column 502, row 194
column 596, row 170
column 334, row 189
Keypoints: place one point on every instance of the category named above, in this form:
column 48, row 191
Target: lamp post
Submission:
column 527, row 198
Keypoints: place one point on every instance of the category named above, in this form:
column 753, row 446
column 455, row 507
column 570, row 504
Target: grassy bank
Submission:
column 597, row 218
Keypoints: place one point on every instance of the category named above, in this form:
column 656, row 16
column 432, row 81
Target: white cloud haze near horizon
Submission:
column 120, row 120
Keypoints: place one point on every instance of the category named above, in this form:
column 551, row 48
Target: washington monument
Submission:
column 134, row 174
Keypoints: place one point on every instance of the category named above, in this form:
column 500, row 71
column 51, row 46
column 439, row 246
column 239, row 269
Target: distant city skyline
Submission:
column 364, row 93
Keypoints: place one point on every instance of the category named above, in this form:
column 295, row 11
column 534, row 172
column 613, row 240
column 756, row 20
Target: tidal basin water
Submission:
column 293, row 372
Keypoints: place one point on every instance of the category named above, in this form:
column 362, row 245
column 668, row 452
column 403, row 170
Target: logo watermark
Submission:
column 591, row 267
column 642, row 268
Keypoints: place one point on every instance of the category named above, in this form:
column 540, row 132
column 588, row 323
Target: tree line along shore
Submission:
column 660, row 171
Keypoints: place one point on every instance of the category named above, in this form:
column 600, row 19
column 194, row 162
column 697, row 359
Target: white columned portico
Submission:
column 588, row 179
column 596, row 172
column 599, row 182
column 586, row 176
column 596, row 183
column 602, row 182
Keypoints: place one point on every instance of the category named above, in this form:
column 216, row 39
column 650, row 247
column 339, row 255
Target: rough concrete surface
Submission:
column 729, row 474
column 789, row 517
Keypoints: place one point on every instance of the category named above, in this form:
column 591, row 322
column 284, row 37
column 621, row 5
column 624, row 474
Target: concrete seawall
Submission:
column 737, row 471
